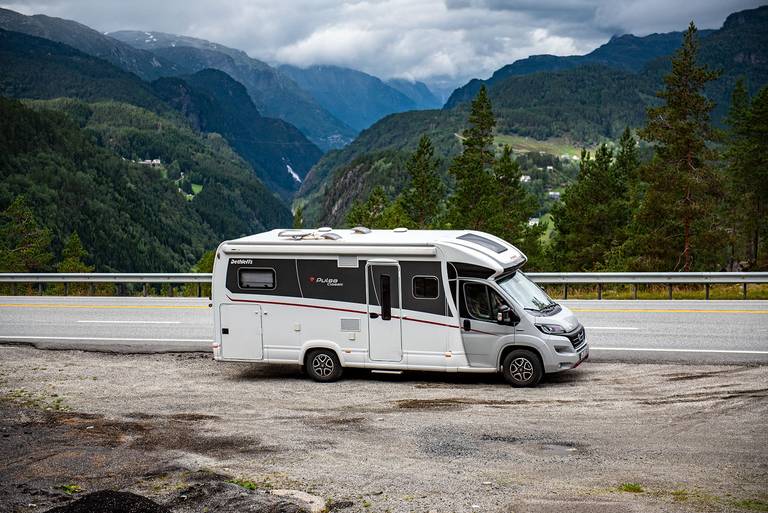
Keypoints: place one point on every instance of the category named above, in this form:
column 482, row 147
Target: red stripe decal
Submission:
column 336, row 310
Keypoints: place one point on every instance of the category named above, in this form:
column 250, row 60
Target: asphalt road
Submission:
column 635, row 331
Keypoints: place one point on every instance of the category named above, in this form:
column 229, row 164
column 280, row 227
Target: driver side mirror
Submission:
column 506, row 315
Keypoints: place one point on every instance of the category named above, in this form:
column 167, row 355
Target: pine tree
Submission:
column 514, row 205
column 677, row 219
column 298, row 217
column 25, row 246
column 423, row 197
column 369, row 213
column 591, row 221
column 73, row 256
column 472, row 203
column 627, row 166
column 748, row 168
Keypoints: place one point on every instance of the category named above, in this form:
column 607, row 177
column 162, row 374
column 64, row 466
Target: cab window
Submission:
column 481, row 302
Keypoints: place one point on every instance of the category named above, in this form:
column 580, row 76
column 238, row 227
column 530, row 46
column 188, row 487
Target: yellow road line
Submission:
column 667, row 310
column 108, row 307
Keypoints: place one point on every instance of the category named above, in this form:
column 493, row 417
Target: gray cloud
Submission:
column 439, row 41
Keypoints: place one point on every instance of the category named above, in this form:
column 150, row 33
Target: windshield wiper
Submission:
column 550, row 306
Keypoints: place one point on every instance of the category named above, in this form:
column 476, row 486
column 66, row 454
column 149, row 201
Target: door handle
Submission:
column 467, row 325
column 373, row 315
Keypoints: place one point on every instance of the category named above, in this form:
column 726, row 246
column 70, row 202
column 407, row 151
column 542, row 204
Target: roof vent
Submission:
column 361, row 229
column 295, row 234
column 401, row 229
column 331, row 236
column 324, row 229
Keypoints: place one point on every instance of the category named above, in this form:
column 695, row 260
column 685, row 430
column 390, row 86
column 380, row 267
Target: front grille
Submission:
column 577, row 338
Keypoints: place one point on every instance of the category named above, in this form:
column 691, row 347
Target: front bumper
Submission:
column 569, row 350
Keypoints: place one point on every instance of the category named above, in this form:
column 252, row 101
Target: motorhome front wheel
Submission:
column 522, row 368
column 323, row 365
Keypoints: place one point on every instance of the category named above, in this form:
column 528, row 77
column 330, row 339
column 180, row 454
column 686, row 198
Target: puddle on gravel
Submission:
column 554, row 449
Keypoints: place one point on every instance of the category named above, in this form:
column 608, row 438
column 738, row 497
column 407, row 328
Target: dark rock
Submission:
column 108, row 501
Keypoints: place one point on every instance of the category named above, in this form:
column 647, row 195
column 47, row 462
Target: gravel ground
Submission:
column 693, row 437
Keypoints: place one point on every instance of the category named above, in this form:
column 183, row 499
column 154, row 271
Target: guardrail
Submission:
column 565, row 279
column 635, row 279
column 119, row 278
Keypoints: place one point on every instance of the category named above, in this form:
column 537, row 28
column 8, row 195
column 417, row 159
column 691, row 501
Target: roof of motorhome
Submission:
column 352, row 237
column 466, row 245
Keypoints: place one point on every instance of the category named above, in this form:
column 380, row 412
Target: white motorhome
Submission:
column 388, row 300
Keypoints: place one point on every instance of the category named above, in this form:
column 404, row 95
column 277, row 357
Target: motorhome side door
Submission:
column 241, row 334
column 481, row 333
column 383, row 297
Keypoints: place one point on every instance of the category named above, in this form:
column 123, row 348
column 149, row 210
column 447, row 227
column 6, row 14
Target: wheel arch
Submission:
column 512, row 347
column 312, row 345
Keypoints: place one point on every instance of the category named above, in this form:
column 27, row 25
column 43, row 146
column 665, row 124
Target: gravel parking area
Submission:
column 693, row 438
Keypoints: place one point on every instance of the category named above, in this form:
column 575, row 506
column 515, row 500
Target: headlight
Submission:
column 551, row 329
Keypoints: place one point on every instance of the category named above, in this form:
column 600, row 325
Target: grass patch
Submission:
column 27, row 399
column 554, row 146
column 71, row 489
column 631, row 488
column 249, row 484
column 752, row 505
column 197, row 188
column 680, row 495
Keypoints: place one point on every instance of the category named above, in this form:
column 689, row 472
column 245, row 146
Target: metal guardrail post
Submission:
column 565, row 291
column 144, row 289
column 599, row 291
column 706, row 291
column 744, row 285
column 40, row 289
column 634, row 291
column 669, row 288
column 199, row 290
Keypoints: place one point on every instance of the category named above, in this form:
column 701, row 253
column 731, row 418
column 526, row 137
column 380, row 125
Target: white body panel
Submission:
column 291, row 320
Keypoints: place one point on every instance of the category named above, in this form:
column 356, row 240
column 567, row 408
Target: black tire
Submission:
column 323, row 365
column 522, row 368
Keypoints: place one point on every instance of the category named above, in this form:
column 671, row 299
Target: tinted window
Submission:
column 262, row 279
column 482, row 302
column 482, row 241
column 425, row 287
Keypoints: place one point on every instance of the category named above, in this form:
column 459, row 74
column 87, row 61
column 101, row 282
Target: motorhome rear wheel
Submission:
column 323, row 365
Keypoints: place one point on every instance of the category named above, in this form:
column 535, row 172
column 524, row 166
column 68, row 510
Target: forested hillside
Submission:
column 33, row 67
column 274, row 94
column 130, row 217
column 214, row 102
column 627, row 53
column 222, row 188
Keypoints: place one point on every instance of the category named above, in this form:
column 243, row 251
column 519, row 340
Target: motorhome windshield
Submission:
column 527, row 293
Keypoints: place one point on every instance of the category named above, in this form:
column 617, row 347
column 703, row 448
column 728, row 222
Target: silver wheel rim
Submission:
column 521, row 369
column 322, row 365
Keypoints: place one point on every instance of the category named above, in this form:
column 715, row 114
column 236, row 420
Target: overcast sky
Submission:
column 438, row 41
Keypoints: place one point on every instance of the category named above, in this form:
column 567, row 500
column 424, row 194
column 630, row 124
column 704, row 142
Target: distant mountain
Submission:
column 356, row 98
column 416, row 91
column 626, row 53
column 215, row 102
column 33, row 67
column 142, row 63
column 578, row 105
column 273, row 93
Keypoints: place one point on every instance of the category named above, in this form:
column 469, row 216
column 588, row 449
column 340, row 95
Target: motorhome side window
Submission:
column 425, row 287
column 256, row 279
